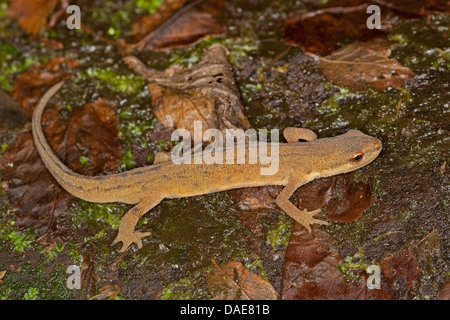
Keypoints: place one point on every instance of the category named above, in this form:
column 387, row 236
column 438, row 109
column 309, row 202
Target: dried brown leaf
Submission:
column 206, row 92
column 32, row 14
column 91, row 131
column 233, row 281
column 311, row 270
column 363, row 64
column 342, row 198
column 28, row 85
column 188, row 25
column 149, row 23
column 401, row 267
column 444, row 294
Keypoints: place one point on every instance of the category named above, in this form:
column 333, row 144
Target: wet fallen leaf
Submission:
column 11, row 113
column 415, row 7
column 32, row 14
column 149, row 23
column 28, row 86
column 190, row 23
column 206, row 92
column 107, row 292
column 402, row 267
column 311, row 270
column 90, row 132
column 363, row 64
column 342, row 198
column 233, row 281
column 323, row 31
column 444, row 294
column 256, row 198
column 339, row 22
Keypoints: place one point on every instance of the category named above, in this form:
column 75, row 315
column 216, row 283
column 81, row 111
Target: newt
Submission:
column 145, row 187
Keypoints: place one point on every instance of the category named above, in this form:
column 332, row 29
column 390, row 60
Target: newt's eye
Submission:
column 357, row 157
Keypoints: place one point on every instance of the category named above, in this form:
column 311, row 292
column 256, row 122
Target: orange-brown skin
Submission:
column 299, row 163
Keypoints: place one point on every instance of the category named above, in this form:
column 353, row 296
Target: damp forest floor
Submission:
column 405, row 228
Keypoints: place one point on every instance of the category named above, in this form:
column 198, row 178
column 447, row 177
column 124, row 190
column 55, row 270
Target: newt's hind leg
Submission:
column 126, row 234
column 292, row 135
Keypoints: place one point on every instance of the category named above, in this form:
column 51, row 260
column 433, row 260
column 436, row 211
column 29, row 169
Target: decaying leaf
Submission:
column 188, row 24
column 311, row 270
column 342, row 198
column 32, row 14
column 444, row 294
column 206, row 92
column 28, row 86
column 339, row 22
column 401, row 267
column 91, row 132
column 415, row 7
column 363, row 64
column 233, row 281
column 12, row 114
column 107, row 292
column 324, row 30
column 149, row 23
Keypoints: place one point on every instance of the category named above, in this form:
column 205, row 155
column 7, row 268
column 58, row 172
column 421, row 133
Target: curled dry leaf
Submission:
column 233, row 281
column 90, row 132
column 206, row 92
column 363, row 64
column 32, row 14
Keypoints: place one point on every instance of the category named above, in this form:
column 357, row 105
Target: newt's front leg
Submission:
column 304, row 217
column 126, row 233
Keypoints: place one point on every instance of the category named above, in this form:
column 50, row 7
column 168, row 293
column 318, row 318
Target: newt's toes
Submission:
column 128, row 238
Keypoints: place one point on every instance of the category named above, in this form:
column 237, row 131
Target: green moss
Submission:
column 21, row 240
column 148, row 6
column 85, row 161
column 423, row 43
column 352, row 266
column 3, row 147
column 127, row 162
column 31, row 294
column 135, row 129
column 94, row 215
column 119, row 83
column 281, row 233
column 184, row 289
column 32, row 282
column 238, row 48
column 13, row 62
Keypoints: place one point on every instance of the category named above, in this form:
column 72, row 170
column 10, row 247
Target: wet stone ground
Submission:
column 280, row 87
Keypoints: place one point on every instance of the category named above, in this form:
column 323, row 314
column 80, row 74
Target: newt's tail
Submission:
column 74, row 183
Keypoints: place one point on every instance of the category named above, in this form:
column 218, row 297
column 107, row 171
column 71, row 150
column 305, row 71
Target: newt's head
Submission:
column 358, row 150
column 348, row 152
